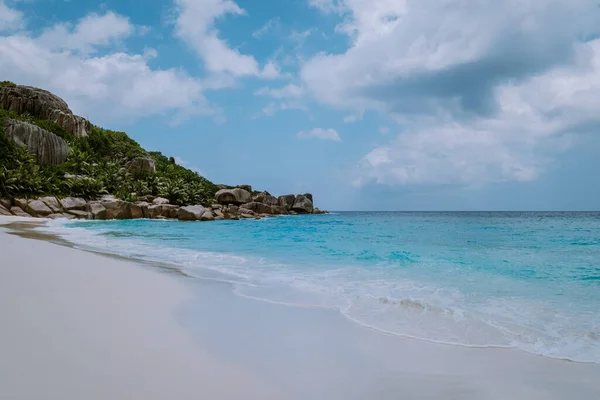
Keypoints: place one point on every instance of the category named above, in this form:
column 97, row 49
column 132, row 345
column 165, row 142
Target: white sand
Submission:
column 76, row 325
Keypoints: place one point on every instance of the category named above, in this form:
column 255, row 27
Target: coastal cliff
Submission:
column 54, row 164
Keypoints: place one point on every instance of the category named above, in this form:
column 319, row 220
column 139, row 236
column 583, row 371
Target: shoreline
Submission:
column 174, row 268
column 446, row 368
column 26, row 228
column 73, row 328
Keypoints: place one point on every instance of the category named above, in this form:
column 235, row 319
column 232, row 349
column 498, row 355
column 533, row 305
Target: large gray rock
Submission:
column 38, row 208
column 309, row 196
column 97, row 210
column 303, row 205
column 265, row 198
column 117, row 209
column 170, row 211
column 136, row 211
column 4, row 211
column 160, row 200
column 233, row 196
column 259, row 208
column 247, row 188
column 21, row 203
column 73, row 203
column 19, row 212
column 279, row 210
column 141, row 166
column 191, row 213
column 43, row 105
column 155, row 211
column 207, row 216
column 52, row 203
column 287, row 201
column 80, row 214
column 6, row 203
column 44, row 146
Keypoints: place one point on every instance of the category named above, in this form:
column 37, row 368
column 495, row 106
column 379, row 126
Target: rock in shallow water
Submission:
column 303, row 205
column 191, row 213
column 287, row 201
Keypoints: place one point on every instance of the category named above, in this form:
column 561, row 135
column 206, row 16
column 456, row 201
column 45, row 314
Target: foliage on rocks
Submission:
column 96, row 165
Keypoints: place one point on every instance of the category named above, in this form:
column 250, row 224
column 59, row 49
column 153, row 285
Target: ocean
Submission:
column 529, row 281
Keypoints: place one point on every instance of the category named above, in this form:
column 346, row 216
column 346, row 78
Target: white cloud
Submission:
column 195, row 25
column 536, row 119
column 350, row 119
column 319, row 133
column 384, row 130
column 91, row 31
column 484, row 91
column 272, row 108
column 289, row 91
column 111, row 86
column 270, row 25
column 9, row 18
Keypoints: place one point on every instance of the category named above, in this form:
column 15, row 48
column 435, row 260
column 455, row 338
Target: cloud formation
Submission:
column 9, row 18
column 195, row 25
column 485, row 91
column 119, row 85
column 321, row 134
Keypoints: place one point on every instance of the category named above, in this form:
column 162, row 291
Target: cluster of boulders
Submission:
column 236, row 203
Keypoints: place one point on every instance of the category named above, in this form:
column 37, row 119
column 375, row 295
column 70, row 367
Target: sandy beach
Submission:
column 79, row 325
column 76, row 325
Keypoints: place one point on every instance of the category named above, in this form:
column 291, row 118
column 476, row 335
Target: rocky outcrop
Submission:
column 247, row 188
column 46, row 147
column 141, row 166
column 160, row 200
column 97, row 210
column 287, row 201
column 73, row 203
column 38, row 208
column 191, row 213
column 303, row 205
column 4, row 211
column 233, row 196
column 18, row 211
column 79, row 214
column 116, row 209
column 279, row 210
column 109, row 207
column 265, row 198
column 42, row 104
column 256, row 207
column 52, row 203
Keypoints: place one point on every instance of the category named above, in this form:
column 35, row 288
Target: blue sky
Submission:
column 369, row 104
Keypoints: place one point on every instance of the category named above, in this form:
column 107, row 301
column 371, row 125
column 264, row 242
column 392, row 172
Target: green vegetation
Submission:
column 7, row 83
column 96, row 165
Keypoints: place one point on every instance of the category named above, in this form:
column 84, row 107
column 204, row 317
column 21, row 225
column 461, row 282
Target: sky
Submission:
column 368, row 104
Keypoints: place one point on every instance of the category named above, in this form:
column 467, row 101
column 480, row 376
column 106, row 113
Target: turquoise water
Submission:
column 524, row 280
